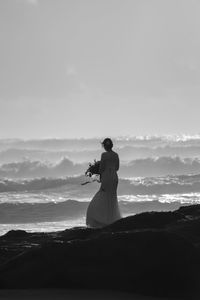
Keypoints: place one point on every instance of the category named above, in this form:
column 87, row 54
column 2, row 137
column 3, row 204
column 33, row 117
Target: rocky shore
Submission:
column 153, row 253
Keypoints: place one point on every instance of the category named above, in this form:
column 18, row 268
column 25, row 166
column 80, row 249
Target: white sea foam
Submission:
column 42, row 226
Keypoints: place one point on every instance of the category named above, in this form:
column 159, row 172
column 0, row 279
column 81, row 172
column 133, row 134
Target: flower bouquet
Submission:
column 93, row 169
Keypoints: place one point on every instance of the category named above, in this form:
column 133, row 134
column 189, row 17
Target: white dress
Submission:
column 103, row 208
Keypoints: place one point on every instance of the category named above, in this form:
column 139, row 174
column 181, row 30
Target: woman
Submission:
column 104, row 209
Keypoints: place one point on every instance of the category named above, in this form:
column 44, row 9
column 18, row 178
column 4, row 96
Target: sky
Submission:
column 89, row 68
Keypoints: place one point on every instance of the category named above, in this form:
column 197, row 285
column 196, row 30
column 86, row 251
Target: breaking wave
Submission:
column 159, row 166
column 72, row 187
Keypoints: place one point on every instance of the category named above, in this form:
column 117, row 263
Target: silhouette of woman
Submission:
column 104, row 209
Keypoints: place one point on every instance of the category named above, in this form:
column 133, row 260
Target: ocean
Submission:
column 52, row 209
column 41, row 181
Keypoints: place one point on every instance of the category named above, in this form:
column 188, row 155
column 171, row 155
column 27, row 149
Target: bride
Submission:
column 104, row 209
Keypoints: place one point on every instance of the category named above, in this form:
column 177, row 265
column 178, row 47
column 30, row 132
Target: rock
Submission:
column 16, row 234
column 79, row 233
column 157, row 220
column 192, row 210
column 148, row 262
column 154, row 253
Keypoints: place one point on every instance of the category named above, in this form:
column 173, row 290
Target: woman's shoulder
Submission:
column 103, row 153
column 110, row 154
column 115, row 153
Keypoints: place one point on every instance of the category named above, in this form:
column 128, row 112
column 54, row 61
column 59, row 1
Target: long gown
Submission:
column 103, row 208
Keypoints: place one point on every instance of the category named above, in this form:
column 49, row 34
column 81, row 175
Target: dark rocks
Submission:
column 192, row 210
column 153, row 263
column 151, row 253
column 157, row 220
column 12, row 234
column 79, row 233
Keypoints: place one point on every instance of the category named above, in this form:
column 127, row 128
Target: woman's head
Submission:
column 107, row 144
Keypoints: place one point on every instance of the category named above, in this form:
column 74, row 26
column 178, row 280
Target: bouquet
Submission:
column 93, row 169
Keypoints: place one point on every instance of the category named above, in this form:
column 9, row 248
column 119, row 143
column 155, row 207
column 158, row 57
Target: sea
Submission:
column 63, row 207
column 42, row 183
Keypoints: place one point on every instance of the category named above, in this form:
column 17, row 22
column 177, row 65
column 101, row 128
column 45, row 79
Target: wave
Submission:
column 71, row 187
column 160, row 166
column 16, row 213
column 41, row 212
column 7, row 185
column 31, row 169
column 86, row 143
column 126, row 153
column 82, row 150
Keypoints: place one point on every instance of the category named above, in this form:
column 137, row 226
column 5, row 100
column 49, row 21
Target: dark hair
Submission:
column 107, row 144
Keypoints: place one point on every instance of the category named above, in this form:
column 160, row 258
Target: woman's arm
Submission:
column 117, row 163
column 102, row 163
